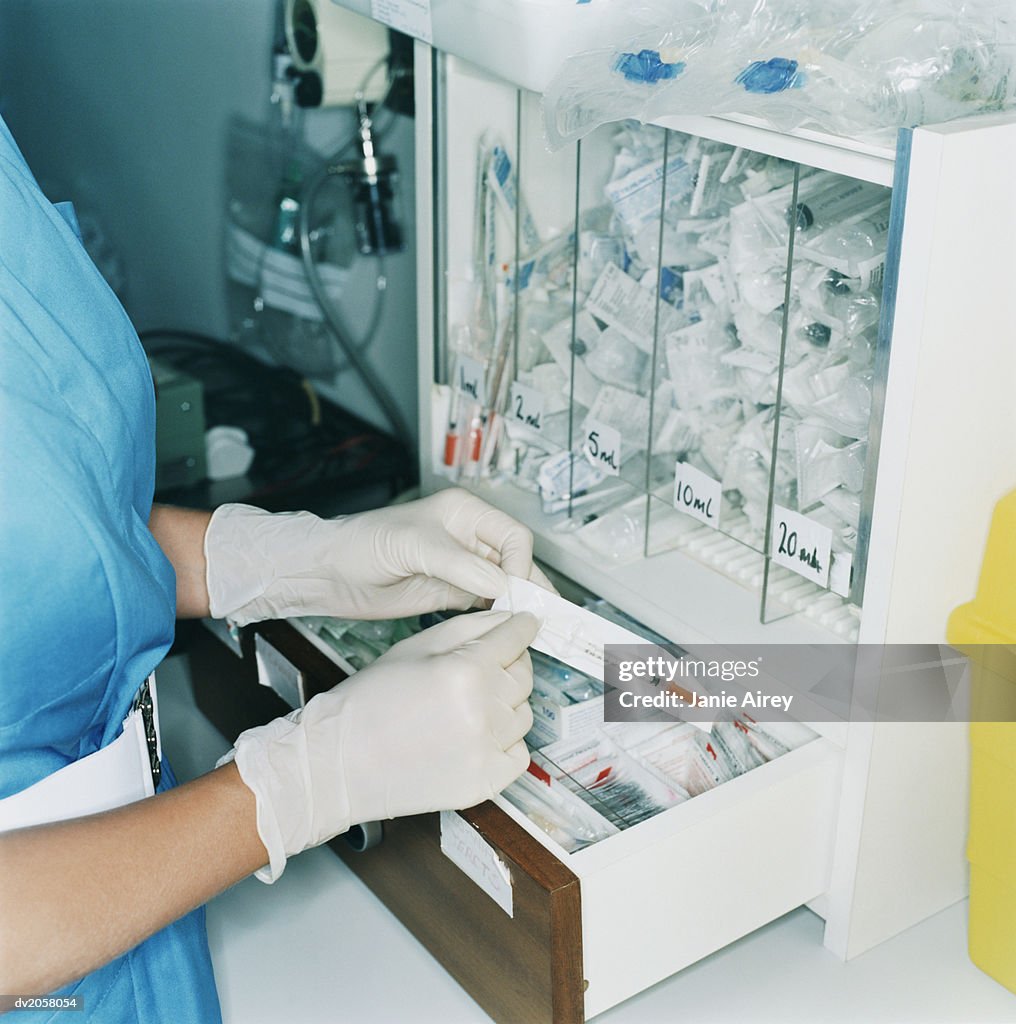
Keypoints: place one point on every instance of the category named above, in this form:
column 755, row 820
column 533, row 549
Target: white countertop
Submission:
column 319, row 947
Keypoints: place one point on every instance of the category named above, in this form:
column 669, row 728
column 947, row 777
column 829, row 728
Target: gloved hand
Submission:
column 445, row 551
column 436, row 723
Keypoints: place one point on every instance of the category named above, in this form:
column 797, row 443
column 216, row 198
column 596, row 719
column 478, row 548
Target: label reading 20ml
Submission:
column 802, row 545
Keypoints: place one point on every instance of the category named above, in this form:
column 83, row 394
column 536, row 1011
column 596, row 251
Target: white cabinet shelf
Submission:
column 944, row 432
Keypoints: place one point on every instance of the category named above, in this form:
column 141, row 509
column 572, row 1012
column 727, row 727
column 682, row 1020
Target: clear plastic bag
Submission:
column 848, row 69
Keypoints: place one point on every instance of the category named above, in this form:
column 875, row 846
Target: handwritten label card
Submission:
column 802, row 545
column 525, row 406
column 410, row 16
column 697, row 494
column 602, row 446
column 469, row 379
column 465, row 847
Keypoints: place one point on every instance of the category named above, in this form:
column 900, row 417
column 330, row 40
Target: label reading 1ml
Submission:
column 525, row 406
column 802, row 545
column 697, row 495
column 602, row 447
column 469, row 378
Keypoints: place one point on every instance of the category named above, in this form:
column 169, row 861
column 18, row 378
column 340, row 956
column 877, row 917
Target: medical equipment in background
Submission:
column 333, row 52
column 180, row 457
column 292, row 259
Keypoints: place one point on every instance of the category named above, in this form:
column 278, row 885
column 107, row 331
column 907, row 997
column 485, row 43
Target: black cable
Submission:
column 298, row 439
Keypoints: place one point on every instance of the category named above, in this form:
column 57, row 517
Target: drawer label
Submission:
column 466, row 848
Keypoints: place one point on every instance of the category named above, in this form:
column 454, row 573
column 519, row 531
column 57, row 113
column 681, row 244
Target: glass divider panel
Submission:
column 722, row 272
column 617, row 209
column 840, row 233
column 478, row 229
column 533, row 379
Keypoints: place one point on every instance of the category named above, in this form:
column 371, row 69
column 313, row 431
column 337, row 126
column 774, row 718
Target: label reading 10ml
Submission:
column 697, row 495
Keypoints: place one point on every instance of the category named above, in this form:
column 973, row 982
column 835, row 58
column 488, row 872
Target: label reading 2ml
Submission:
column 525, row 406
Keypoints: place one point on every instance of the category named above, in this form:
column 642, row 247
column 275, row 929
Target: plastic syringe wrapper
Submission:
column 569, row 633
column 847, row 68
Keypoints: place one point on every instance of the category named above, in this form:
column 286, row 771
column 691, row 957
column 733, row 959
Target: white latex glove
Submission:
column 436, row 723
column 445, row 551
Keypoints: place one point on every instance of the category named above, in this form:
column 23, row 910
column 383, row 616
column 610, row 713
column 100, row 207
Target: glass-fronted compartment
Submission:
column 668, row 341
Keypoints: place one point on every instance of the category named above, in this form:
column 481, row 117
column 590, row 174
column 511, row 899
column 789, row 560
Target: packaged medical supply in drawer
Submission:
column 573, row 843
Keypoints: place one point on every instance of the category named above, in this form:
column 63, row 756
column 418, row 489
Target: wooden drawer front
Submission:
column 524, row 969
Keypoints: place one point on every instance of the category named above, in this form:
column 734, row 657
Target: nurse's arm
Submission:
column 180, row 533
column 78, row 893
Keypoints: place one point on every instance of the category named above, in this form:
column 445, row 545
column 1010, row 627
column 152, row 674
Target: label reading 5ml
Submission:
column 602, row 447
column 802, row 545
column 469, row 377
column 697, row 495
column 525, row 406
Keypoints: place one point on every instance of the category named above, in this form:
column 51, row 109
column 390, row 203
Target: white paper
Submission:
column 620, row 301
column 697, row 495
column 602, row 446
column 525, row 407
column 469, row 378
column 637, row 196
column 466, row 848
column 277, row 672
column 569, row 633
column 625, row 412
column 801, row 545
column 279, row 277
column 839, row 573
column 409, row 16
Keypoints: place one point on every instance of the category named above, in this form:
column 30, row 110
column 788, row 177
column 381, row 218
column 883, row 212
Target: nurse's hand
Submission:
column 435, row 724
column 450, row 550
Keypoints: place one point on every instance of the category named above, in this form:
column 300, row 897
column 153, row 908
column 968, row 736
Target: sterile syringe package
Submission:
column 592, row 778
column 663, row 331
column 854, row 67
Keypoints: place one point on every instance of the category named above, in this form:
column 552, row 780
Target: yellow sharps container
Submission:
column 985, row 629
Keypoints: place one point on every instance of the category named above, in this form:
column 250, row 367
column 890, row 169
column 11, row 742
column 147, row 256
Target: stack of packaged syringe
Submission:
column 583, row 789
column 589, row 779
column 675, row 342
column 357, row 642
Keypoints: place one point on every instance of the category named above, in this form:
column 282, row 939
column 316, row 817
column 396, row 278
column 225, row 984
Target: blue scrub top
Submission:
column 87, row 599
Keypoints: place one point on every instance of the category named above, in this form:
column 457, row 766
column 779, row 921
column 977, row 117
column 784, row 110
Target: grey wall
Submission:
column 123, row 106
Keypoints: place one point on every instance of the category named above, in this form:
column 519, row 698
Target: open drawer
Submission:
column 674, row 888
column 537, row 934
